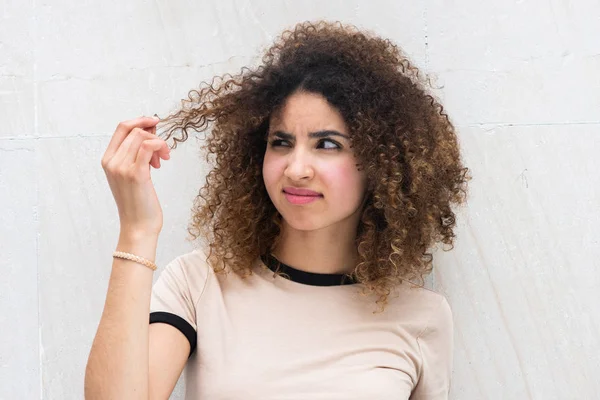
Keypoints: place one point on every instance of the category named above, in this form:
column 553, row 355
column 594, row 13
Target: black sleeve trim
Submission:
column 179, row 323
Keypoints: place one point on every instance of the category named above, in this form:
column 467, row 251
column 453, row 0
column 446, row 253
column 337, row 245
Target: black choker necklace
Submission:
column 307, row 278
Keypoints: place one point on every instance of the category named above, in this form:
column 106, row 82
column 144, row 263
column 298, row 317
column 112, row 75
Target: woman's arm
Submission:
column 129, row 358
column 169, row 351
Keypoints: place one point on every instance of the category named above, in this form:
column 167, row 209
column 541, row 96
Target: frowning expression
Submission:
column 309, row 168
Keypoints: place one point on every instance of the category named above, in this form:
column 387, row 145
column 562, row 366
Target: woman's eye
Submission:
column 328, row 144
column 278, row 142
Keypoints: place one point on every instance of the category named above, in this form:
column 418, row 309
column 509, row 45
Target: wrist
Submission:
column 139, row 244
column 137, row 235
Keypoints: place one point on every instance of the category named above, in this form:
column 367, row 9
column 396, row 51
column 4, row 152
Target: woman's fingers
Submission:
column 147, row 149
column 123, row 130
column 155, row 160
column 127, row 153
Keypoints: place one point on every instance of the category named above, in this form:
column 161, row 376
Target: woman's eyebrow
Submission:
column 316, row 135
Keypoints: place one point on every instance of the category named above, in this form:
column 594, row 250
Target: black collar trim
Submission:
column 307, row 278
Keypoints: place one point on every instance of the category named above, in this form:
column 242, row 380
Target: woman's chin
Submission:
column 302, row 225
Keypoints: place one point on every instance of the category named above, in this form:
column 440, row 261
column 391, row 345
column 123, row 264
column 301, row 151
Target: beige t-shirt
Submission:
column 268, row 337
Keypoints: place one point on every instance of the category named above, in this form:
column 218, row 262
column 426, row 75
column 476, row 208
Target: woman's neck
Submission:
column 326, row 251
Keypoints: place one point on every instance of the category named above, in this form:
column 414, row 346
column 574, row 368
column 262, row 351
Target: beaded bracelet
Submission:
column 133, row 257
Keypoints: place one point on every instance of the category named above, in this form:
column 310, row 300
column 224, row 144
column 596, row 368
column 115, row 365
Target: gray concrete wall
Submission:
column 520, row 79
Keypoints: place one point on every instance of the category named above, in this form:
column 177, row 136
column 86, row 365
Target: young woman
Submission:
column 333, row 173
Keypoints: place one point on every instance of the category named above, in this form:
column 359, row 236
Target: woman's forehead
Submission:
column 307, row 112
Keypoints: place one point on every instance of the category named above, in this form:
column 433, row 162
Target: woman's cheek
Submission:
column 271, row 170
column 346, row 179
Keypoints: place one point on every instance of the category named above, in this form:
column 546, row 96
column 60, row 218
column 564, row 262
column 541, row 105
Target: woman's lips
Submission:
column 300, row 192
column 300, row 199
column 300, row 196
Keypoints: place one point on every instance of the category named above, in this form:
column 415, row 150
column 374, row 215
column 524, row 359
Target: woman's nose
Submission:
column 299, row 166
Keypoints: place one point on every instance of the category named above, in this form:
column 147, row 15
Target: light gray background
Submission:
column 520, row 79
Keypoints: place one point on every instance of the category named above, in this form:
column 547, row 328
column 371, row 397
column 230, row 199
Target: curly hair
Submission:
column 401, row 137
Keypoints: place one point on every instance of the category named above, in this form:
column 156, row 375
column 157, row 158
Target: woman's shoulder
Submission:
column 195, row 257
column 426, row 306
column 421, row 294
column 190, row 267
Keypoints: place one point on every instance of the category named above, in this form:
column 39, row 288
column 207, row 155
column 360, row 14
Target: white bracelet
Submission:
column 133, row 257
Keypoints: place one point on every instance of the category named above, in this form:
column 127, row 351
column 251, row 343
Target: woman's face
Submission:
column 309, row 169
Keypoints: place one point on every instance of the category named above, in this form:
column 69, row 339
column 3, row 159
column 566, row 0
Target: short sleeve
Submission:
column 436, row 345
column 175, row 293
